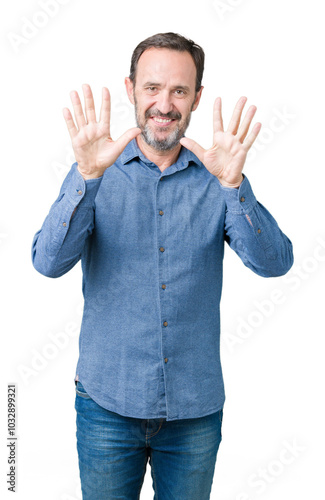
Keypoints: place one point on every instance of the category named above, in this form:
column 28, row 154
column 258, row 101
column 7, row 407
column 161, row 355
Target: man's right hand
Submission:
column 92, row 144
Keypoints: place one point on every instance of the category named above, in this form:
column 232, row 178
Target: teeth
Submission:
column 162, row 120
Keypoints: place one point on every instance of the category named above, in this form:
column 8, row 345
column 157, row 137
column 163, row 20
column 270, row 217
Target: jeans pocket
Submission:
column 81, row 391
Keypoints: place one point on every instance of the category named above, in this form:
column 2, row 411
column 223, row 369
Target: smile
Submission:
column 162, row 121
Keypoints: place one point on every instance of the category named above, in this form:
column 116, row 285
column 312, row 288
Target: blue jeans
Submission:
column 113, row 451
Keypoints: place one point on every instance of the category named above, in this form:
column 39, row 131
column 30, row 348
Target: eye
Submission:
column 152, row 89
column 179, row 92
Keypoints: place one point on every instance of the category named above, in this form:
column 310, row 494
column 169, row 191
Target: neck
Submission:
column 163, row 159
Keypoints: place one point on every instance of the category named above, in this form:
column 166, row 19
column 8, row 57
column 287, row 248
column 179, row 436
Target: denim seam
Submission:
column 143, row 474
column 154, row 478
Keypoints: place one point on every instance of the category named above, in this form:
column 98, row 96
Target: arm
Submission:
column 252, row 232
column 58, row 245
column 249, row 228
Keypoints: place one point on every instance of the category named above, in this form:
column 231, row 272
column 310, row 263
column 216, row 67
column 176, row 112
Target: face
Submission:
column 164, row 96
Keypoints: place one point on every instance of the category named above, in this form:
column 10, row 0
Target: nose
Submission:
column 164, row 102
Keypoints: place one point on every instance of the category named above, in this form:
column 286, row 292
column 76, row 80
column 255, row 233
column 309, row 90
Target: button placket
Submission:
column 162, row 263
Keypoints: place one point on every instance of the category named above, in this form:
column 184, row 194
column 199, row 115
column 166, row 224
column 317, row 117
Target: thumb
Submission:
column 125, row 138
column 193, row 146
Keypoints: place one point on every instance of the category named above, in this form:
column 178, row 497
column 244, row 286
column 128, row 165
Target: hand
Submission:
column 92, row 144
column 226, row 158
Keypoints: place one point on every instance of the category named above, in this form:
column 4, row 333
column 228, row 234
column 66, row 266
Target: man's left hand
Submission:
column 226, row 158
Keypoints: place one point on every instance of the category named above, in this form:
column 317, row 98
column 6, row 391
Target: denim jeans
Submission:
column 113, row 451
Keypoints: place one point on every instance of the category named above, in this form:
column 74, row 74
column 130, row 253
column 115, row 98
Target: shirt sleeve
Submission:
column 58, row 245
column 252, row 232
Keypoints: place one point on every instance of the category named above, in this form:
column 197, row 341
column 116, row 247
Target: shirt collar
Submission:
column 132, row 151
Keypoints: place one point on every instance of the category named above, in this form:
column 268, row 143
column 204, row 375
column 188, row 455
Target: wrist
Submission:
column 235, row 184
column 93, row 175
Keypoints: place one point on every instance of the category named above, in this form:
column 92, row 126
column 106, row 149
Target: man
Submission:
column 148, row 215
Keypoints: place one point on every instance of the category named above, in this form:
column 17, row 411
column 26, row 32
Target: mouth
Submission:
column 162, row 122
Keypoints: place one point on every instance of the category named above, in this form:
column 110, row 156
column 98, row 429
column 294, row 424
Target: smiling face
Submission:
column 164, row 96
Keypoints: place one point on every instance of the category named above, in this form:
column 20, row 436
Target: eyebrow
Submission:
column 153, row 84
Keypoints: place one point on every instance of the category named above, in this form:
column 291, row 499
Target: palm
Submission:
column 92, row 144
column 226, row 158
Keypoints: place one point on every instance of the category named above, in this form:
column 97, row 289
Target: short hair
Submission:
column 172, row 41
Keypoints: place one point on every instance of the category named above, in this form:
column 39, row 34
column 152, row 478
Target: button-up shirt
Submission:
column 151, row 245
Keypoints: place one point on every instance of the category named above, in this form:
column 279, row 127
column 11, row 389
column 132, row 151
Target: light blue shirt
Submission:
column 151, row 245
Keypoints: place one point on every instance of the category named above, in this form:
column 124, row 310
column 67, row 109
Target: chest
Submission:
column 185, row 208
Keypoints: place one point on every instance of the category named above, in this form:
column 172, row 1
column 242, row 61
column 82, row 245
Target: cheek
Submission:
column 144, row 106
column 144, row 101
column 185, row 110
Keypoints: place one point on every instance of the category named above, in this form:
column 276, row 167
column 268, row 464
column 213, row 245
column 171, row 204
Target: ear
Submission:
column 129, row 89
column 197, row 99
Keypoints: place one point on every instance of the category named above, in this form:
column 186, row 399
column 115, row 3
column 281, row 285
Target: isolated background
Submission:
column 272, row 329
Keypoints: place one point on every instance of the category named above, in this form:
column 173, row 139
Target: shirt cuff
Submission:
column 78, row 189
column 241, row 199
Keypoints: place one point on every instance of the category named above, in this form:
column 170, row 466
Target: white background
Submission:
column 272, row 329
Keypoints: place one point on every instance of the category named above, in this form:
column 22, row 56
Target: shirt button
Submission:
column 163, row 286
column 165, row 323
column 242, row 199
column 64, row 224
column 166, row 359
column 161, row 212
column 258, row 230
column 79, row 192
column 162, row 249
column 161, row 178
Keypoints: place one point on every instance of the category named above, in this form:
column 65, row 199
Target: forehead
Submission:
column 160, row 65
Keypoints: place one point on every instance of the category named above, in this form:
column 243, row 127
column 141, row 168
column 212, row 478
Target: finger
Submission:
column 89, row 103
column 217, row 116
column 244, row 127
column 235, row 119
column 72, row 129
column 105, row 110
column 249, row 141
column 193, row 146
column 124, row 140
column 77, row 108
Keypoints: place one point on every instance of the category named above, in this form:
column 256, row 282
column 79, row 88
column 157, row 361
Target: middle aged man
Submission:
column 148, row 215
